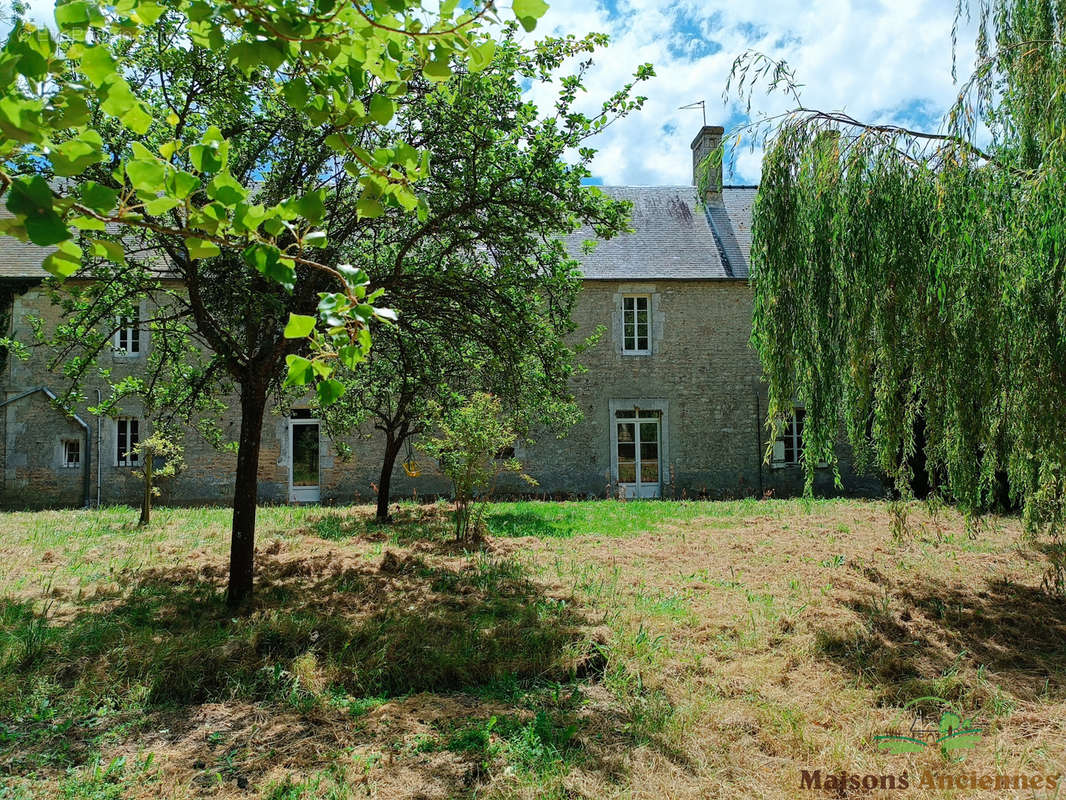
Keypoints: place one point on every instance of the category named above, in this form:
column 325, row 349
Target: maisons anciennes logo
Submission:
column 949, row 731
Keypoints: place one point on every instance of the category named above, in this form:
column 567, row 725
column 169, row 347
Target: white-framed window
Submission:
column 788, row 449
column 127, row 437
column 636, row 324
column 72, row 453
column 128, row 335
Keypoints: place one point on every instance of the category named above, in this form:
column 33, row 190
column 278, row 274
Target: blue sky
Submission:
column 879, row 61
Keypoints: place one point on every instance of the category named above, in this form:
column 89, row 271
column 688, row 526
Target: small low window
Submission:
column 128, row 436
column 128, row 335
column 71, row 453
column 636, row 324
column 788, row 449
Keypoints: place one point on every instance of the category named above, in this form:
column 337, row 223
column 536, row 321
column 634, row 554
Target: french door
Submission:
column 304, row 465
column 637, row 452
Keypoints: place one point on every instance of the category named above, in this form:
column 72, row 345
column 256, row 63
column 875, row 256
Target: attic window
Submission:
column 636, row 325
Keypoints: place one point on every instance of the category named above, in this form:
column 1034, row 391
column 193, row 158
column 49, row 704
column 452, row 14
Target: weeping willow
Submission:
column 910, row 280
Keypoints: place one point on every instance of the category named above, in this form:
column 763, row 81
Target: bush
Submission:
column 469, row 440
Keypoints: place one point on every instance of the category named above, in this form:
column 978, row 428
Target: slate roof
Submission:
column 675, row 236
column 20, row 260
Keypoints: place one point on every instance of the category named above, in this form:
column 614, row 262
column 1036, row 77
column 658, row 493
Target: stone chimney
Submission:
column 706, row 142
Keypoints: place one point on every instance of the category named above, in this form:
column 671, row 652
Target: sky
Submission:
column 879, row 61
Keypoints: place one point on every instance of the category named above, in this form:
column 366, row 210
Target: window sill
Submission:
column 795, row 465
column 636, row 352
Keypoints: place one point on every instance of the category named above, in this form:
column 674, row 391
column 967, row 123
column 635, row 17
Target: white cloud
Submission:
column 889, row 61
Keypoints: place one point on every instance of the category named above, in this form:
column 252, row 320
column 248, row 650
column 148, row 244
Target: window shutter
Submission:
column 779, row 451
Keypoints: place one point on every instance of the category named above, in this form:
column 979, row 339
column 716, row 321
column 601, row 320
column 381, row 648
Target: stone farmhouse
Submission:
column 672, row 399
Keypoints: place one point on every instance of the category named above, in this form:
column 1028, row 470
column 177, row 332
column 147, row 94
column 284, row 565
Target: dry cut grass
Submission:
column 596, row 650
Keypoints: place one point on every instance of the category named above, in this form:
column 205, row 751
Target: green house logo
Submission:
column 950, row 731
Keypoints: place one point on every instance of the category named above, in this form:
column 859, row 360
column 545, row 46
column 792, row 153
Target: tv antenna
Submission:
column 701, row 104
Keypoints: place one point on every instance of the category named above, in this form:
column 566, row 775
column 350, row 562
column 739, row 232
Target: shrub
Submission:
column 469, row 441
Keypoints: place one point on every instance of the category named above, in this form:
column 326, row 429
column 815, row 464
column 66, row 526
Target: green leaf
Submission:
column 528, row 12
column 137, row 118
column 225, row 189
column 64, row 262
column 315, row 239
column 481, row 55
column 369, row 207
column 211, row 154
column 267, row 260
column 300, row 373
column 72, row 15
column 84, row 223
column 146, row 176
column 72, row 157
column 312, row 206
column 70, row 109
column 353, row 275
column 32, row 199
column 438, row 69
column 98, row 197
column 98, row 65
column 181, row 184
column 198, row 248
column 248, row 217
column 112, row 251
column 386, row 314
column 329, row 391
column 299, row 326
column 147, row 13
column 161, row 205
column 382, row 109
column 296, row 92
column 351, row 355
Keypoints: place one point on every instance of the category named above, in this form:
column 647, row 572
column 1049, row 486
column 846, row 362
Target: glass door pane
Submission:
column 627, row 452
column 305, row 455
column 649, row 452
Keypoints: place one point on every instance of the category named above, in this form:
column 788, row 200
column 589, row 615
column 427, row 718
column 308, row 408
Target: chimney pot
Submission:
column 707, row 141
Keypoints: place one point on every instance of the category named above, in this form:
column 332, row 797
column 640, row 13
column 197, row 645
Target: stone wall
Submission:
column 706, row 376
column 701, row 372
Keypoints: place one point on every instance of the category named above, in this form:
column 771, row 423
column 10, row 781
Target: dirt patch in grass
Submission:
column 717, row 649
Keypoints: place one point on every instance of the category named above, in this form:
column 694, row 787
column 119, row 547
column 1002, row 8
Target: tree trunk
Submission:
column 388, row 463
column 146, row 504
column 245, row 493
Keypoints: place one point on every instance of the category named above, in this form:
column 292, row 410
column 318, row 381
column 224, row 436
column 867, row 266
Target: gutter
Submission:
column 86, row 477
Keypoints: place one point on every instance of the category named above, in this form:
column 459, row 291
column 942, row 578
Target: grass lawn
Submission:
column 593, row 650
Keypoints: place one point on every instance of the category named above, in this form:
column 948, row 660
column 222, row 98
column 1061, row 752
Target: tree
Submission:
column 467, row 441
column 327, row 58
column 903, row 275
column 161, row 456
column 282, row 176
column 482, row 285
